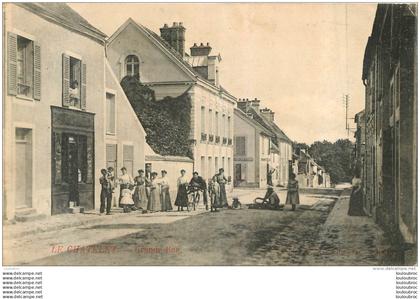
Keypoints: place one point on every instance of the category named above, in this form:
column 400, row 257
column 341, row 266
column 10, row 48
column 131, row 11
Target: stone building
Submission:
column 160, row 62
column 65, row 114
column 390, row 165
column 275, row 148
column 359, row 145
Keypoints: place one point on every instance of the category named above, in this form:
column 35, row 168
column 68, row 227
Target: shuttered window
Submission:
column 111, row 156
column 240, row 146
column 24, row 67
column 74, row 82
column 128, row 158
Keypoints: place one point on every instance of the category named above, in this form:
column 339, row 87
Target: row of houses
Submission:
column 308, row 173
column 66, row 115
column 386, row 136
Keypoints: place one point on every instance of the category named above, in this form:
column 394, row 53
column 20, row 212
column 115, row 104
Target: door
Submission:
column 23, row 166
column 74, row 172
column 238, row 174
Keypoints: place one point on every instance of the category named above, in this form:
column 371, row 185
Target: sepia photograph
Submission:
column 209, row 134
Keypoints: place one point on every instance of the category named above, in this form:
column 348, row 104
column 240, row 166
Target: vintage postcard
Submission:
column 209, row 134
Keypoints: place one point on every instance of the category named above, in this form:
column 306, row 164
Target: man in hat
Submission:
column 198, row 182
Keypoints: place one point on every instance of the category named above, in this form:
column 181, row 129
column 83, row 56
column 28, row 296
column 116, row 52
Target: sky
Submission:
column 297, row 59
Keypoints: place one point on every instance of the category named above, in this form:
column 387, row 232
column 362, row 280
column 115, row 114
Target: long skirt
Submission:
column 154, row 202
column 292, row 198
column 140, row 197
column 165, row 199
column 356, row 203
column 223, row 197
column 181, row 197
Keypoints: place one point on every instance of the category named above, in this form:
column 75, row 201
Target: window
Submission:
column 210, row 173
column 229, row 127
column 23, row 67
column 203, row 120
column 210, row 121
column 224, row 125
column 110, row 113
column 74, row 82
column 132, row 66
column 240, row 146
column 217, row 123
column 128, row 157
column 111, row 156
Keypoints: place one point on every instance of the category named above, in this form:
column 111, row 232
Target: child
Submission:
column 126, row 200
column 292, row 192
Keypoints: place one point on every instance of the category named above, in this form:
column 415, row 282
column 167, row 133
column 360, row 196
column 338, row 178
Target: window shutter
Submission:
column 66, row 80
column 37, row 71
column 12, row 63
column 83, row 87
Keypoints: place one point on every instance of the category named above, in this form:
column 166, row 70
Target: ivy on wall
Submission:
column 167, row 122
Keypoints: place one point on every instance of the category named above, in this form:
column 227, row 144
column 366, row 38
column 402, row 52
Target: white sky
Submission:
column 290, row 56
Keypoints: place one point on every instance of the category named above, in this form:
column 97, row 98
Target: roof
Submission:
column 174, row 54
column 271, row 126
column 253, row 122
column 64, row 15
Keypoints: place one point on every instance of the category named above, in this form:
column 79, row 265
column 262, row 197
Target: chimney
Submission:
column 255, row 103
column 267, row 114
column 243, row 104
column 201, row 50
column 174, row 36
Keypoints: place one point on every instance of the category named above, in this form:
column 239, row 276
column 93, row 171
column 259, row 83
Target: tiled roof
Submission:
column 63, row 15
column 177, row 55
column 268, row 125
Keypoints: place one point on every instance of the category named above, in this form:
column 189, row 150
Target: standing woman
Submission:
column 214, row 192
column 292, row 192
column 356, row 198
column 154, row 202
column 164, row 192
column 182, row 196
column 221, row 180
column 140, row 197
column 125, row 181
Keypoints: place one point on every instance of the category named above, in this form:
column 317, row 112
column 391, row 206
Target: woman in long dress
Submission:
column 221, row 180
column 182, row 195
column 140, row 197
column 292, row 192
column 154, row 203
column 356, row 199
column 125, row 181
column 164, row 192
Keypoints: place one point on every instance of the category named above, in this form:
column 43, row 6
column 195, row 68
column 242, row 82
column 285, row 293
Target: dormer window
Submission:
column 132, row 66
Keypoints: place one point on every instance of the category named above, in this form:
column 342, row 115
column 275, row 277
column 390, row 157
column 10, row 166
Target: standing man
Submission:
column 106, row 192
column 111, row 178
column 198, row 182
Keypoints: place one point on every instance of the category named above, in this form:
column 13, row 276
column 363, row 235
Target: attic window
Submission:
column 132, row 66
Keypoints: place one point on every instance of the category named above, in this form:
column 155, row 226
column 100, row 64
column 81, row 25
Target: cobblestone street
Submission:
column 319, row 233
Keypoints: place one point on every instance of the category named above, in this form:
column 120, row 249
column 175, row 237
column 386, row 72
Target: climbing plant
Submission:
column 167, row 122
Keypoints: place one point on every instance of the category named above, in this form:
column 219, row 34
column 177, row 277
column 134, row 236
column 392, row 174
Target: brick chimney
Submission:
column 201, row 50
column 174, row 36
column 267, row 114
column 255, row 103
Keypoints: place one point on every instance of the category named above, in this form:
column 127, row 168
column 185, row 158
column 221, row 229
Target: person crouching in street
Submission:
column 106, row 192
column 292, row 192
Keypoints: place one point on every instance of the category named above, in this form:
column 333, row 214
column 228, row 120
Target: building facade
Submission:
column 60, row 112
column 274, row 147
column 252, row 151
column 390, row 162
column 160, row 62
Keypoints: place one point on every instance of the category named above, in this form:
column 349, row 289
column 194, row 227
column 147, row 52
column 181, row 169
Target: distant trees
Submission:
column 335, row 157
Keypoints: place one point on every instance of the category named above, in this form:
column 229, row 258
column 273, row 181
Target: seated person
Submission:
column 271, row 198
column 74, row 93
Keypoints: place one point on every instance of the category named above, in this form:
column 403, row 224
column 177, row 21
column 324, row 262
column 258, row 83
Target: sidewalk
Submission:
column 63, row 221
column 350, row 240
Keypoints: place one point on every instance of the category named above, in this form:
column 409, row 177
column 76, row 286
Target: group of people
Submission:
column 150, row 193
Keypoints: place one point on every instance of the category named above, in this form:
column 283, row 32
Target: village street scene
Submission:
column 130, row 143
